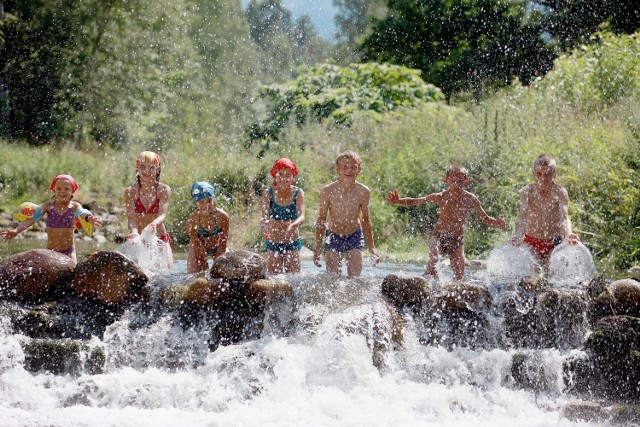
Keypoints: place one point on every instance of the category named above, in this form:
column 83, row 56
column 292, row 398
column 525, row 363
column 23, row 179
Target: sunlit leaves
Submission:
column 331, row 94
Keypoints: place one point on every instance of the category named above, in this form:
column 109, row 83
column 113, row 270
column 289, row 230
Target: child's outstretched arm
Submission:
column 489, row 220
column 7, row 235
column 394, row 199
column 164, row 194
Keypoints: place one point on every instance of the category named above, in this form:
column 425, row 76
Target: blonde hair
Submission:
column 349, row 155
column 546, row 161
column 455, row 168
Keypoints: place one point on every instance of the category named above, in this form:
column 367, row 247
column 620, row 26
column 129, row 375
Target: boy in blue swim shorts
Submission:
column 346, row 204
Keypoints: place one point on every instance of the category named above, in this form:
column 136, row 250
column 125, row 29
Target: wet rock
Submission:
column 62, row 357
column 458, row 316
column 38, row 322
column 613, row 348
column 562, row 318
column 406, row 290
column 110, row 278
column 625, row 415
column 585, row 411
column 269, row 290
column 203, row 292
column 579, row 375
column 533, row 283
column 621, row 297
column 239, row 265
column 634, row 272
column 37, row 274
column 529, row 373
column 464, row 296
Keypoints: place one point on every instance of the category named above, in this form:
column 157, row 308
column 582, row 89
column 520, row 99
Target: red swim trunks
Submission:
column 166, row 238
column 542, row 247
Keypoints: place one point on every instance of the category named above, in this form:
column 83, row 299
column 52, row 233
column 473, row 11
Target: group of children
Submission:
column 343, row 225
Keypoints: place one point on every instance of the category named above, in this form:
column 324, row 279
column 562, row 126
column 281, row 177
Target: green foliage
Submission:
column 461, row 45
column 332, row 93
column 596, row 75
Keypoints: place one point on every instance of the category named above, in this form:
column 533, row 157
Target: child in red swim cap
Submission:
column 283, row 212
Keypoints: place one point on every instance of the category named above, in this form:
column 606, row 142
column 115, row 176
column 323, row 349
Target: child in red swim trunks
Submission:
column 148, row 200
column 543, row 221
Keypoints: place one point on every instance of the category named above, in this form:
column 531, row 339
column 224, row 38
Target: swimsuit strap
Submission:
column 141, row 208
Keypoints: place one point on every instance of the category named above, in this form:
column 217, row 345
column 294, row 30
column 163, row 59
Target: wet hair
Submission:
column 455, row 168
column 349, row 155
column 546, row 161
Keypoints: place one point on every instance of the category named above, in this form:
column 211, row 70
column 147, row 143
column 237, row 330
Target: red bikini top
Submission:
column 141, row 209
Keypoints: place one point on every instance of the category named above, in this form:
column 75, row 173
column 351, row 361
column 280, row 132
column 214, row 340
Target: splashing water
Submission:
column 510, row 262
column 326, row 358
column 151, row 254
column 571, row 265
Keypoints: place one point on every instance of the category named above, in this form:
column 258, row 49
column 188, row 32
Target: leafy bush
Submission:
column 332, row 93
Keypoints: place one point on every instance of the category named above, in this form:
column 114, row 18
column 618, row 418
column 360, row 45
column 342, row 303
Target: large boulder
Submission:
column 110, row 278
column 621, row 297
column 241, row 265
column 406, row 290
column 269, row 290
column 35, row 274
column 464, row 296
column 203, row 292
column 613, row 349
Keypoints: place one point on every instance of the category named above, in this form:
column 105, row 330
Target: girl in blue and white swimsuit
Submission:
column 283, row 212
column 207, row 227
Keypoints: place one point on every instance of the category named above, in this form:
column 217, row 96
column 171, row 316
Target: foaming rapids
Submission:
column 336, row 354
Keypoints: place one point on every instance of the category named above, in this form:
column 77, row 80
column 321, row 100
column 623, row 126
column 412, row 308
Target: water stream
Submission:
column 325, row 359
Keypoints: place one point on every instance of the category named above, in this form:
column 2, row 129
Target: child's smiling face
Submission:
column 543, row 174
column 284, row 177
column 348, row 168
column 63, row 190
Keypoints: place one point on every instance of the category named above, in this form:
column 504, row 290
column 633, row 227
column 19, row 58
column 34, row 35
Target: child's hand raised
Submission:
column 393, row 197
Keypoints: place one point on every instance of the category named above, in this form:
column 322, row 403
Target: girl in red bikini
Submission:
column 60, row 213
column 148, row 200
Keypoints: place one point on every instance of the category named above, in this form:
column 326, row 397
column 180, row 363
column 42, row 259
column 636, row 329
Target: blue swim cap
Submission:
column 202, row 190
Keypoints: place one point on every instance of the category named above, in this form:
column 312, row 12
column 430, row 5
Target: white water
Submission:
column 320, row 373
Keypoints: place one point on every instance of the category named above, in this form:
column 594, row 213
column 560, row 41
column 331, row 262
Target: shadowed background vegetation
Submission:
column 221, row 92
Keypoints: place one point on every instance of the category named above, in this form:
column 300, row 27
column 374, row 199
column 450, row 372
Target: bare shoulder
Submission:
column 46, row 206
column 561, row 192
column 164, row 188
column 328, row 189
column 75, row 206
column 222, row 213
column 129, row 191
column 471, row 198
column 363, row 188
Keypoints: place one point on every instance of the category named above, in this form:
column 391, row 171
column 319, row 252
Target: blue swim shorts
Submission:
column 342, row 243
